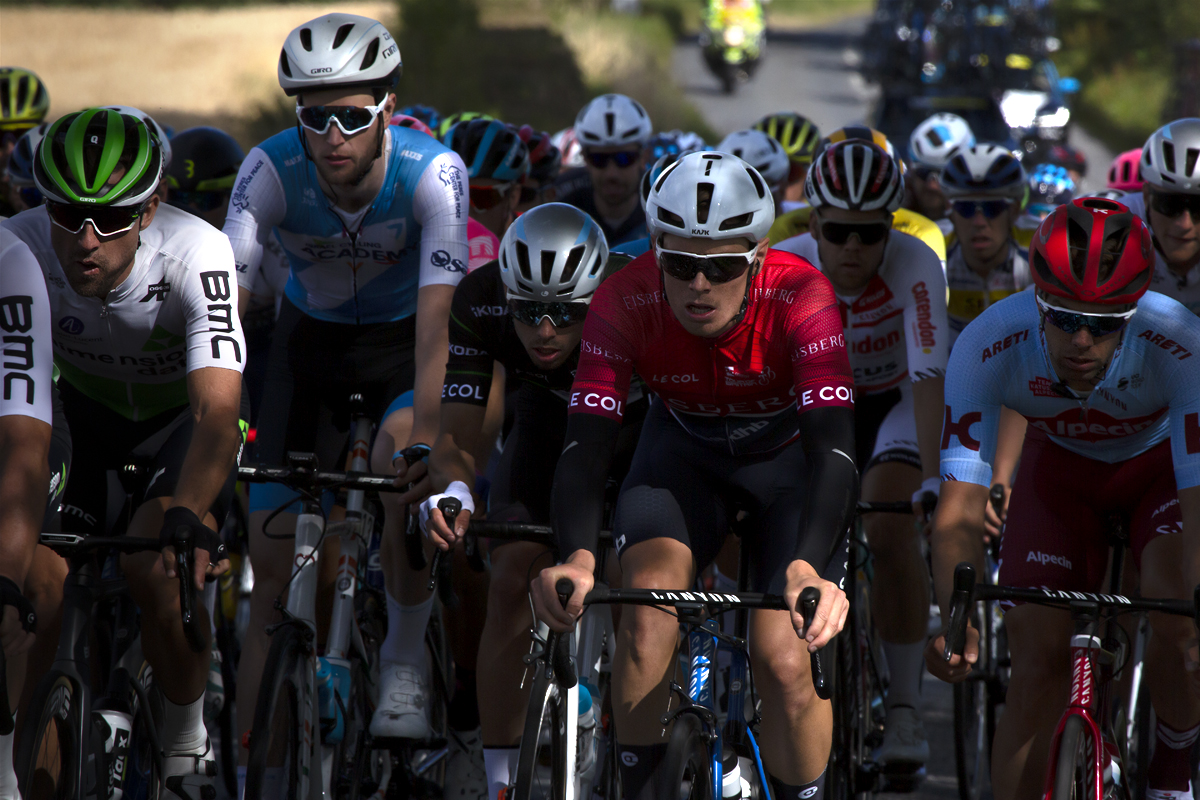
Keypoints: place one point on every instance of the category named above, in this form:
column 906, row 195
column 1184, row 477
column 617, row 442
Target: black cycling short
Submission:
column 870, row 412
column 681, row 488
column 520, row 490
column 60, row 462
column 103, row 440
column 314, row 368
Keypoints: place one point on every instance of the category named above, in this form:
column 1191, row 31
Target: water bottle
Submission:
column 332, row 725
column 116, row 747
column 586, row 753
column 731, row 778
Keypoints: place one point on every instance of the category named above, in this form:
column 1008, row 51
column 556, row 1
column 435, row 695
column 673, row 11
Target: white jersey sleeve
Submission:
column 256, row 206
column 27, row 351
column 440, row 205
column 209, row 304
column 927, row 327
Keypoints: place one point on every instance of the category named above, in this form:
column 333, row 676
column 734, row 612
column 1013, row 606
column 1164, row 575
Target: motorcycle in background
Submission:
column 733, row 40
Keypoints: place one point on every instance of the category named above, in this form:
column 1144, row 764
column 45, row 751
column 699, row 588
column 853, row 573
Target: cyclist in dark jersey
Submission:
column 744, row 349
column 499, row 317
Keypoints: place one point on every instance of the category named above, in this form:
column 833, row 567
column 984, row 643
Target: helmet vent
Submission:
column 1100, row 204
column 704, row 195
column 371, row 54
column 306, row 39
column 663, row 176
column 283, row 64
column 523, row 269
column 342, row 32
column 1044, row 271
column 548, row 258
column 1189, row 167
column 1168, row 150
column 5, row 94
column 671, row 218
column 1114, row 246
column 597, row 265
column 1077, row 244
column 740, row 221
column 573, row 260
column 610, row 122
column 758, row 184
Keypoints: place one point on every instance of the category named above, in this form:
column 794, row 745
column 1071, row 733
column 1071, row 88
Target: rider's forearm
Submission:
column 928, row 409
column 1008, row 446
column 431, row 349
column 577, row 499
column 24, row 481
column 216, row 438
column 830, row 480
column 1189, row 509
column 449, row 463
column 957, row 536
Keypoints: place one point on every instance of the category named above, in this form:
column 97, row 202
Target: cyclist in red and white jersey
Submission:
column 892, row 294
column 1169, row 202
column 1106, row 375
column 743, row 348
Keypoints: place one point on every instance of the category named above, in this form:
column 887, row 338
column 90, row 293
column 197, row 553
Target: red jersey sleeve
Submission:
column 607, row 350
column 820, row 366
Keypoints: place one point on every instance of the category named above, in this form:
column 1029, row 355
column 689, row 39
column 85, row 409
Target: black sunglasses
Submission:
column 718, row 268
column 869, row 233
column 623, row 158
column 1171, row 205
column 990, row 208
column 532, row 312
column 107, row 220
column 196, row 201
column 1097, row 324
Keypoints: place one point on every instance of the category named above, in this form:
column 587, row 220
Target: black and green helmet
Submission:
column 83, row 152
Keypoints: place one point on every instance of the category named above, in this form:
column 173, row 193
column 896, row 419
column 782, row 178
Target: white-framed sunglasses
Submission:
column 350, row 119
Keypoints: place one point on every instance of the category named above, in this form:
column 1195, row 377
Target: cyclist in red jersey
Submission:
column 743, row 348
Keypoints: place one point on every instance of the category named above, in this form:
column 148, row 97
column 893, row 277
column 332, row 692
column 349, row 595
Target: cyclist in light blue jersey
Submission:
column 373, row 221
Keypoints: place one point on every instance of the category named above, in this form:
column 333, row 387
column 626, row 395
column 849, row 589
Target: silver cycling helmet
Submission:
column 760, row 151
column 613, row 120
column 937, row 138
column 553, row 253
column 740, row 206
column 338, row 50
column 984, row 170
column 1171, row 157
column 164, row 141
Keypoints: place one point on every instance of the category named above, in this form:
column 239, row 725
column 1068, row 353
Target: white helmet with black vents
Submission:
column 1171, row 157
column 857, row 175
column 613, row 120
column 760, row 151
column 739, row 203
column 338, row 50
column 937, row 139
column 553, row 253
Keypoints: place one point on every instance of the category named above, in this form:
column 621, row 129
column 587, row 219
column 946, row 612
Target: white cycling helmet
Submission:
column 854, row 174
column 338, row 50
column 553, row 253
column 613, row 120
column 1171, row 157
column 984, row 170
column 741, row 206
column 164, row 141
column 761, row 152
column 936, row 139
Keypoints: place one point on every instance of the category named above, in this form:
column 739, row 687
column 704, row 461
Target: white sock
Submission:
column 241, row 779
column 183, row 727
column 500, row 763
column 8, row 776
column 905, row 662
column 405, row 640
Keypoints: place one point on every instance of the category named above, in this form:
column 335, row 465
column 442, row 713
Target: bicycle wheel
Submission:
column 971, row 746
column 687, row 766
column 278, row 763
column 543, row 753
column 49, row 754
column 1074, row 778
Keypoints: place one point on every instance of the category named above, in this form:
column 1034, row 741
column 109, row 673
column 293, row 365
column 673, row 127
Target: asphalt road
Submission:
column 816, row 73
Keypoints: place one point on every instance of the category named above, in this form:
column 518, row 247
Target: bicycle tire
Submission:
column 687, row 765
column 1073, row 772
column 970, row 738
column 274, row 769
column 539, row 762
column 50, row 745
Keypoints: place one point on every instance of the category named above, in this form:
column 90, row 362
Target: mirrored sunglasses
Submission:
column 622, row 158
column 106, row 220
column 990, row 208
column 532, row 312
column 1071, row 321
column 350, row 119
column 717, row 268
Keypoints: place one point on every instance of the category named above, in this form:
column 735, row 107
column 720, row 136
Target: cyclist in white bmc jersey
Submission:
column 150, row 353
column 373, row 220
column 891, row 292
column 1169, row 202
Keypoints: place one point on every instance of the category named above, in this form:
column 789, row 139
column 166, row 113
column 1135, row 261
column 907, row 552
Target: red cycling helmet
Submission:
column 1094, row 251
column 1125, row 174
column 405, row 121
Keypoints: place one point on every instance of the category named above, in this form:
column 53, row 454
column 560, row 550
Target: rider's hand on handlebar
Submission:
column 210, row 559
column 831, row 611
column 434, row 523
column 412, row 469
column 958, row 667
column 578, row 569
column 993, row 522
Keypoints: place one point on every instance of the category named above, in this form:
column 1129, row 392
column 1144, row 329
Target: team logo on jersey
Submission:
column 924, row 327
column 961, row 429
column 443, row 260
column 451, row 178
column 999, row 347
column 161, row 339
column 238, row 200
column 1176, row 349
column 1097, row 426
column 156, row 291
column 72, row 326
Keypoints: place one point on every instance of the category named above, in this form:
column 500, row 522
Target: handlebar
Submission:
column 996, row 498
column 192, row 630
column 450, row 508
column 809, row 598
column 883, row 507
column 966, row 592
column 303, row 474
column 558, row 650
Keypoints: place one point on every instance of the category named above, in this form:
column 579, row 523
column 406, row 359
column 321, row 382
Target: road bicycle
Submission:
column 1086, row 758
column 77, row 745
column 310, row 736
